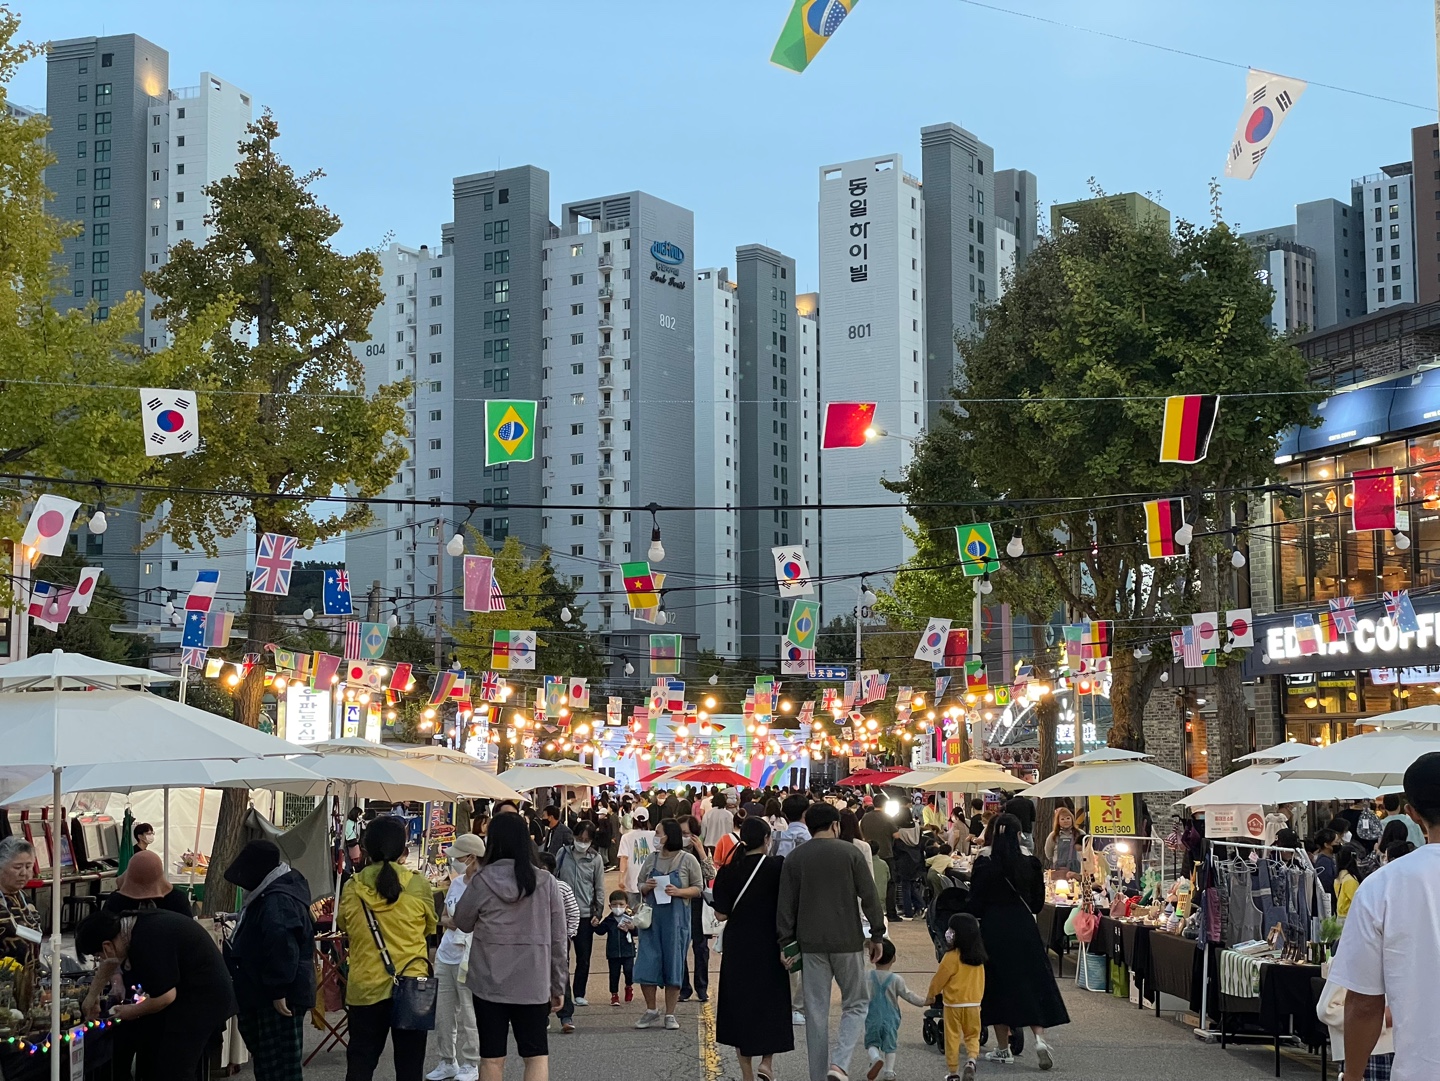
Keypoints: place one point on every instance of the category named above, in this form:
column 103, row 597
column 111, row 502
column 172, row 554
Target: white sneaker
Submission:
column 796, row 1017
column 671, row 1022
column 1001, row 1055
column 648, row 1019
column 1042, row 1053
column 582, row 1002
column 468, row 1073
column 444, row 1071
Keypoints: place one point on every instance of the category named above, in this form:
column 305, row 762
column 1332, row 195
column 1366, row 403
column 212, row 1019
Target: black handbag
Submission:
column 413, row 998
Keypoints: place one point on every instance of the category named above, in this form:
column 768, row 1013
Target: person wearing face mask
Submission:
column 456, row 1037
column 581, row 866
column 619, row 931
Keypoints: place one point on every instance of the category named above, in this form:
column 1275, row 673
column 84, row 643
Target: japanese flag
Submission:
column 85, row 589
column 1240, row 623
column 49, row 524
column 1268, row 100
column 171, row 421
column 578, row 693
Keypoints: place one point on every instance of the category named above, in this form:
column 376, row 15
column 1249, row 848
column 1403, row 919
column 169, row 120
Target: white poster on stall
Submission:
column 1235, row 820
column 372, row 723
column 307, row 714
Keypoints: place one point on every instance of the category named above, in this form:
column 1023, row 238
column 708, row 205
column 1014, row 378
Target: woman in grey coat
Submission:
column 519, row 951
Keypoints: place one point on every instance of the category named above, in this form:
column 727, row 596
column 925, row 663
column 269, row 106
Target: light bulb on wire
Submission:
column 1016, row 548
column 394, row 620
column 629, row 669
column 1402, row 541
column 656, row 552
column 98, row 522
column 309, row 614
column 714, row 679
column 565, row 614
column 1237, row 559
column 455, row 546
column 1185, row 534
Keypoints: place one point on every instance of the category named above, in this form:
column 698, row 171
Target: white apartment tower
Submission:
column 717, row 471
column 872, row 339
column 1385, row 205
column 412, row 337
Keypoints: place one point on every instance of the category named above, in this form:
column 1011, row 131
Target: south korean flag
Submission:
column 171, row 421
column 1268, row 100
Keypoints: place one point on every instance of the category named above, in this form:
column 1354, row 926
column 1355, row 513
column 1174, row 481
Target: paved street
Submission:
column 1107, row 1040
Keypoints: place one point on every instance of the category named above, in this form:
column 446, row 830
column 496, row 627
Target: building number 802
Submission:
column 667, row 322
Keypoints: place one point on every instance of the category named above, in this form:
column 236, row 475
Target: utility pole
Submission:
column 439, row 589
column 372, row 606
column 977, row 626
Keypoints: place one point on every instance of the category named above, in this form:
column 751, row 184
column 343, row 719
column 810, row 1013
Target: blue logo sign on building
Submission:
column 665, row 252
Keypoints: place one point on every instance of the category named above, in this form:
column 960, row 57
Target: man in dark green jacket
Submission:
column 824, row 884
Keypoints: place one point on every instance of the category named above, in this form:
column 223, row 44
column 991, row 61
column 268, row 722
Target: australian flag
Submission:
column 337, row 593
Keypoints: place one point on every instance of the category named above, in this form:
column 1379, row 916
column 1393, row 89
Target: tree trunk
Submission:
column 249, row 697
column 1047, row 717
column 1230, row 713
column 1127, row 702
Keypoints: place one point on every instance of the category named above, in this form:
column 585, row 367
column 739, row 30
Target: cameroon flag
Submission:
column 1189, row 420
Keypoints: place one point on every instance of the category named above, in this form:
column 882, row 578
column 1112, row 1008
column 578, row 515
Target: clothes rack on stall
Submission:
column 1289, row 905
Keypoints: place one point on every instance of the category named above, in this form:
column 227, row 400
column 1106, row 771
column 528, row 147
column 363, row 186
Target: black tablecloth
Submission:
column 1286, row 1000
column 1051, row 922
column 1176, row 968
column 1106, row 939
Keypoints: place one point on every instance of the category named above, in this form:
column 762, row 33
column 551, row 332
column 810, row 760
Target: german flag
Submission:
column 1329, row 629
column 1189, row 420
column 1162, row 518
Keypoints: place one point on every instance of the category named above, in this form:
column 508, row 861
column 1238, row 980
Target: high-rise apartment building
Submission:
column 502, row 221
column 960, row 271
column 717, row 458
column 1425, row 157
column 1017, row 201
column 1130, row 204
column 133, row 158
column 412, row 336
column 1289, row 269
column 1335, row 234
column 872, row 342
column 619, row 384
column 771, row 437
column 1384, row 204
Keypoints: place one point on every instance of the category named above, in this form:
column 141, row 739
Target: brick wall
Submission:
column 1164, row 740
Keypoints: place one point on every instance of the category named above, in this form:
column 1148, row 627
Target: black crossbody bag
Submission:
column 413, row 998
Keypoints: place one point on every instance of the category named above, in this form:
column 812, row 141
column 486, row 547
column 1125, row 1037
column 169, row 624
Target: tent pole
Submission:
column 56, row 1043
column 165, row 827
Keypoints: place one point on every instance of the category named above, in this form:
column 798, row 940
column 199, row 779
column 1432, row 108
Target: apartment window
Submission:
column 100, row 289
column 499, row 291
column 1380, row 294
column 102, row 93
column 498, row 261
column 179, row 195
column 577, row 279
column 154, row 174
column 1379, row 254
column 100, row 262
column 577, row 339
column 1394, row 192
column 498, row 320
column 577, row 429
column 434, row 472
column 498, row 231
column 1395, row 292
column 179, row 140
column 179, row 225
column 436, row 301
column 102, row 123
column 84, row 92
column 577, row 519
column 79, row 289
column 489, row 201
column 1395, row 273
column 102, row 179
column 1394, row 211
column 1380, row 274
column 436, row 328
column 80, row 148
column 499, row 379
column 577, row 459
column 498, row 350
column 577, row 250
column 80, row 204
column 434, row 386
column 577, row 549
column 102, row 149
column 577, row 369
column 180, row 169
column 578, row 398
column 100, row 234
column 436, row 358
column 434, row 414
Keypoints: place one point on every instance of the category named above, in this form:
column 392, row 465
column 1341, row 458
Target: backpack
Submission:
column 1367, row 826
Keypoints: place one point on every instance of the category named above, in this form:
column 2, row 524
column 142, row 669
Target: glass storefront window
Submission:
column 1425, row 509
column 1290, row 541
column 1395, row 565
column 1322, row 534
column 1358, row 564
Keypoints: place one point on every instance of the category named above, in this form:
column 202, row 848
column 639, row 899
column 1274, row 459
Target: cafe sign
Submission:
column 1376, row 642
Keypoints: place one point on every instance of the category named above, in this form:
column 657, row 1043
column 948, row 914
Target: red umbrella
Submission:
column 862, row 777
column 723, row 775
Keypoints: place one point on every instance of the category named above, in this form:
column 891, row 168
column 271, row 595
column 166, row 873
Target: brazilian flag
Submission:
column 809, row 27
column 510, row 432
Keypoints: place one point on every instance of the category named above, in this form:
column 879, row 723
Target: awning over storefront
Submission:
column 1348, row 416
column 1376, row 642
column 1416, row 401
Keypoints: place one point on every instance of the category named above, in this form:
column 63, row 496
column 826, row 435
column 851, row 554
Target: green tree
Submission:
column 284, row 422
column 1062, row 412
column 410, row 645
column 71, row 407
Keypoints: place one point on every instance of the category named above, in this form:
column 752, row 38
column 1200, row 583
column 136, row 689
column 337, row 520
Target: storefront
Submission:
column 1325, row 696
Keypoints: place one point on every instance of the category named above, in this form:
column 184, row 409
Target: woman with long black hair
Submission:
column 1007, row 888
column 385, row 903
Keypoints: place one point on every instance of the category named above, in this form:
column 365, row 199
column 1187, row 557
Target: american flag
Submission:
column 353, row 651
column 1191, row 649
column 273, row 562
column 497, row 598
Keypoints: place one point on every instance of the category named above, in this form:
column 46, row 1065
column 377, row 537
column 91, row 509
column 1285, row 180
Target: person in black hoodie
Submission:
column 270, row 960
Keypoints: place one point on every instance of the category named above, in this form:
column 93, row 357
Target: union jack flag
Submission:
column 1342, row 611
column 273, row 563
column 195, row 658
column 490, row 686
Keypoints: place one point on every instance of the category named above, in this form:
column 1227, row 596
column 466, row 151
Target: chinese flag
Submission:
column 1189, row 420
column 957, row 647
column 845, row 424
column 1374, row 498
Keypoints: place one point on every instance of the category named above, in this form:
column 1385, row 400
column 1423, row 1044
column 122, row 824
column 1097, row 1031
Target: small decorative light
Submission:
column 1016, row 548
column 309, row 614
column 565, row 614
column 456, row 545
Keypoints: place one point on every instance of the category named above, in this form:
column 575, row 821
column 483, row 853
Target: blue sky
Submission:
column 678, row 98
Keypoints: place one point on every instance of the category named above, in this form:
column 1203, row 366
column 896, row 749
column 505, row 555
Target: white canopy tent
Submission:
column 1379, row 758
column 975, row 775
column 64, row 711
column 1278, row 753
column 527, row 777
column 1111, row 771
column 1261, row 784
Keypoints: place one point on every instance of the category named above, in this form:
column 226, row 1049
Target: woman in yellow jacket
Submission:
column 1346, row 880
column 403, row 906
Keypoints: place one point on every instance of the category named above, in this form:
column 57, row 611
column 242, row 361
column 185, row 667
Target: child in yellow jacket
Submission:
column 960, row 983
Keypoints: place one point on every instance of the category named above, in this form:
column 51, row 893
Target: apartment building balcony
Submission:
column 607, row 259
column 606, row 291
column 607, row 501
column 607, row 349
column 607, row 442
column 607, row 470
column 607, row 411
column 607, row 320
column 607, row 379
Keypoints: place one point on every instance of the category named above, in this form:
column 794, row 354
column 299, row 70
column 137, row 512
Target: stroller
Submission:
column 932, row 1024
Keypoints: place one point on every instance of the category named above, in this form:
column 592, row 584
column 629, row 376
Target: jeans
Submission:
column 816, row 973
column 912, row 896
column 567, row 1007
column 891, row 891
column 456, row 1039
column 584, row 944
column 617, row 966
column 369, row 1027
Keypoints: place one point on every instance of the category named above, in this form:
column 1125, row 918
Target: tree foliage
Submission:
column 1059, row 422
column 284, row 417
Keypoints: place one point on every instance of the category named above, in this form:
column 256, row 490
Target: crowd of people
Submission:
column 794, row 891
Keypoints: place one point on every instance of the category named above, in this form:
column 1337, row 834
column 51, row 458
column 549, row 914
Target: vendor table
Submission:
column 1176, row 968
column 1283, row 998
column 1051, row 921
